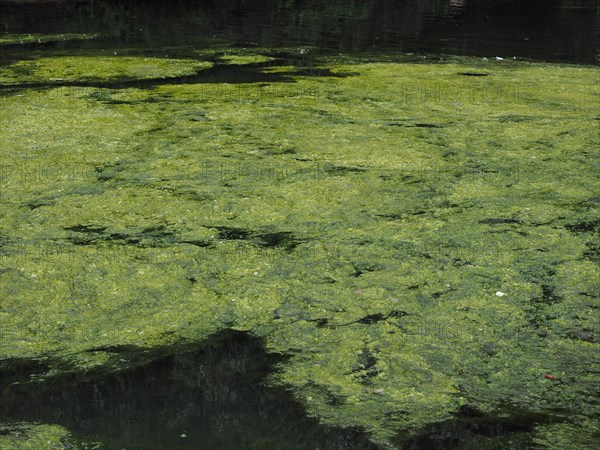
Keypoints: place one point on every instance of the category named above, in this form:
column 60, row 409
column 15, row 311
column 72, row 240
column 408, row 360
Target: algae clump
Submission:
column 417, row 242
column 24, row 436
column 104, row 68
column 245, row 59
column 11, row 39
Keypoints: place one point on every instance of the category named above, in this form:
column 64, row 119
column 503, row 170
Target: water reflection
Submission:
column 211, row 398
column 561, row 30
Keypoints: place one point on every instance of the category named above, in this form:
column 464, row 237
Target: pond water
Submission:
column 556, row 30
column 224, row 219
column 210, row 398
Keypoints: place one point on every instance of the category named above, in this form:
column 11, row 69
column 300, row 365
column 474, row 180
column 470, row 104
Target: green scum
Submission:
column 416, row 237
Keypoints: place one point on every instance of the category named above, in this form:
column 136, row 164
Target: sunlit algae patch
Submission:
column 417, row 238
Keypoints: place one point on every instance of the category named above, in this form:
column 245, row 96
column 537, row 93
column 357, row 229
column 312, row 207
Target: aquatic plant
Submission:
column 360, row 224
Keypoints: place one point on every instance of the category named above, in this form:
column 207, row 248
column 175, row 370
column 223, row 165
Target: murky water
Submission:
column 532, row 29
column 212, row 397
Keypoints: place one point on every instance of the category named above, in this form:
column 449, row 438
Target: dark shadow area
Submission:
column 281, row 239
column 211, row 398
column 225, row 73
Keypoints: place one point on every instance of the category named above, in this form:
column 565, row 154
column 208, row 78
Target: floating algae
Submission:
column 12, row 39
column 106, row 68
column 245, row 59
column 328, row 218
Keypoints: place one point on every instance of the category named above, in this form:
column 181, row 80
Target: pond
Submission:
column 530, row 29
column 299, row 224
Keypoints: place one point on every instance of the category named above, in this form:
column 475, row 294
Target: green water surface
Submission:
column 415, row 235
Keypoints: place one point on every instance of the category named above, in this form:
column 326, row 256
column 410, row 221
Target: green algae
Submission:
column 26, row 436
column 416, row 240
column 565, row 435
column 87, row 68
column 245, row 59
column 11, row 39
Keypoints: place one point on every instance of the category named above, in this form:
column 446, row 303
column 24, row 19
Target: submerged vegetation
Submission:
column 416, row 237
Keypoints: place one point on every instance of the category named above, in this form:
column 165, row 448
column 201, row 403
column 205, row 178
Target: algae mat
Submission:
column 417, row 238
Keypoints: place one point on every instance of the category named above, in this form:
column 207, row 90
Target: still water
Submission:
column 550, row 30
column 212, row 397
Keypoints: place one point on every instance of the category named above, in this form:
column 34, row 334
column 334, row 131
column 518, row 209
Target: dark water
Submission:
column 210, row 398
column 550, row 30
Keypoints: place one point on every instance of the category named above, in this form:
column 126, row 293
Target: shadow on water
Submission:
column 220, row 73
column 211, row 398
column 215, row 397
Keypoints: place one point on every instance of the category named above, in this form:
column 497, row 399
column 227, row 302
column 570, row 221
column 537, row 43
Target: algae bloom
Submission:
column 414, row 242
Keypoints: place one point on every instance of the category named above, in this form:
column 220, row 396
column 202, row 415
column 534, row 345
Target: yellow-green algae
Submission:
column 9, row 39
column 245, row 59
column 103, row 68
column 416, row 238
column 26, row 436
